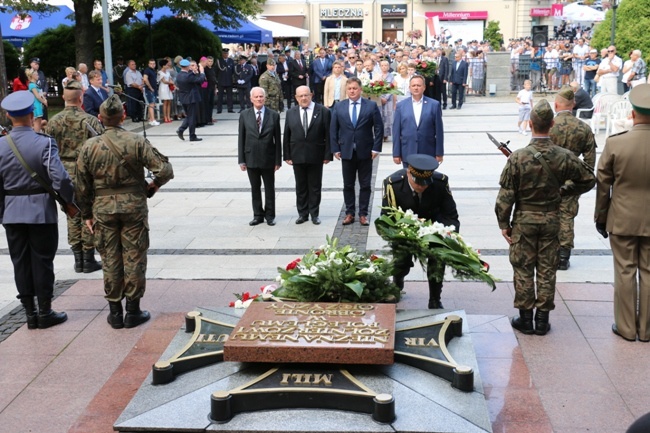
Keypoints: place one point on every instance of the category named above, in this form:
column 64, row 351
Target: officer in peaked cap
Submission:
column 28, row 212
column 622, row 196
column 422, row 189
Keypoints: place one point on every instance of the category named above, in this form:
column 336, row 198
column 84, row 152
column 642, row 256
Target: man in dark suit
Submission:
column 188, row 82
column 356, row 136
column 282, row 69
column 225, row 71
column 322, row 67
column 243, row 74
column 298, row 70
column 458, row 80
column 306, row 148
column 94, row 95
column 582, row 100
column 260, row 154
column 443, row 72
column 418, row 131
column 426, row 192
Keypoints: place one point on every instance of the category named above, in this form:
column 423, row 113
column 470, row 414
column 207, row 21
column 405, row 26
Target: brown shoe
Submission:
column 364, row 220
column 349, row 219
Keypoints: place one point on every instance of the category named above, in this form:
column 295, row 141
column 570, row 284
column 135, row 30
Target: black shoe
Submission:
column 453, row 107
column 30, row 312
column 180, row 134
column 89, row 262
column 435, row 305
column 459, row 107
column 48, row 317
column 210, row 123
column 196, row 139
column 231, row 111
column 78, row 261
column 615, row 331
column 444, row 107
column 255, row 221
column 218, row 112
column 524, row 322
column 116, row 315
column 271, row 222
column 200, row 125
column 542, row 326
column 315, row 220
column 301, row 220
column 135, row 316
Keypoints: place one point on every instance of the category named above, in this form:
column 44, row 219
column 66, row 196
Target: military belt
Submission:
column 538, row 208
column 133, row 189
column 25, row 191
column 68, row 158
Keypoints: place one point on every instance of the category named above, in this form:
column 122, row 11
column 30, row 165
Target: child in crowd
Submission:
column 525, row 101
column 39, row 99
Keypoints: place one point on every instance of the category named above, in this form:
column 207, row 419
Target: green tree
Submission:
column 12, row 60
column 632, row 22
column 493, row 34
column 55, row 48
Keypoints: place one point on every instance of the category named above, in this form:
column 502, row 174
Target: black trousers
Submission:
column 443, row 95
column 244, row 97
column 32, row 248
column 352, row 168
column 190, row 119
column 209, row 105
column 133, row 107
column 286, row 93
column 256, row 176
column 309, row 182
column 319, row 89
column 225, row 90
column 457, row 90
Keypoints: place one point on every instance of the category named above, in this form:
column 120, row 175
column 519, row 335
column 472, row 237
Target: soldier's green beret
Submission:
column 111, row 107
column 73, row 85
column 567, row 93
column 640, row 99
column 543, row 111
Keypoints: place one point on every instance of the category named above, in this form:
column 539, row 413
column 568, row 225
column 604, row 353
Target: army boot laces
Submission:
column 116, row 315
column 523, row 323
column 48, row 317
column 135, row 316
column 541, row 322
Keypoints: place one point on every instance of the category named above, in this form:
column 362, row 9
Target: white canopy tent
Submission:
column 281, row 30
column 581, row 13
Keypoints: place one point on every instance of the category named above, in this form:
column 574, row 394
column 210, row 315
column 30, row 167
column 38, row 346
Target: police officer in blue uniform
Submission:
column 28, row 213
column 426, row 192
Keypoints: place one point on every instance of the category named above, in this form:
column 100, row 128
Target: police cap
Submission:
column 111, row 106
column 19, row 103
column 640, row 99
column 422, row 167
column 542, row 111
column 567, row 93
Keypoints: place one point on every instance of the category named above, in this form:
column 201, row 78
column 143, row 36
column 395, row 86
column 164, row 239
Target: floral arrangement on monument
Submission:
column 425, row 68
column 380, row 87
column 414, row 34
column 408, row 234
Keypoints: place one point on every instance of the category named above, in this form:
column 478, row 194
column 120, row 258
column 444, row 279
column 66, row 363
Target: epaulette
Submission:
column 439, row 176
column 620, row 133
column 397, row 176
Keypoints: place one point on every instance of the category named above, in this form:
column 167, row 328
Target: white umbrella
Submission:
column 576, row 12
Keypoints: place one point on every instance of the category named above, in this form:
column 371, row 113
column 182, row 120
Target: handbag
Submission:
column 172, row 87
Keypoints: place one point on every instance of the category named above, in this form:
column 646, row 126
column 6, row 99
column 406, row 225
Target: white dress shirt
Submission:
column 417, row 109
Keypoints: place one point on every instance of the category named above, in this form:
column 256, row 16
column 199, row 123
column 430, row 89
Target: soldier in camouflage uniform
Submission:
column 271, row 83
column 533, row 183
column 71, row 128
column 113, row 201
column 575, row 135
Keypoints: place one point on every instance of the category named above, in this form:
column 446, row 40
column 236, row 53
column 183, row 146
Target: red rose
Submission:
column 245, row 296
column 381, row 83
column 293, row 264
column 318, row 253
column 232, row 304
column 373, row 258
column 424, row 64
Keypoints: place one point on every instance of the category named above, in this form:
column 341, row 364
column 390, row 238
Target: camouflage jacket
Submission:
column 71, row 128
column 273, row 87
column 98, row 168
column 525, row 181
column 575, row 135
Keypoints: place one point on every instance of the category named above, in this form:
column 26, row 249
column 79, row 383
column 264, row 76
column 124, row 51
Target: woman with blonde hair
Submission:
column 402, row 81
column 69, row 71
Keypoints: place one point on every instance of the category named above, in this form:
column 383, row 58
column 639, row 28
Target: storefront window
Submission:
column 347, row 30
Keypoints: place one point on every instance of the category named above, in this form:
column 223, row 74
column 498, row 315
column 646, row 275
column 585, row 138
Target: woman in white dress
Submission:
column 402, row 81
column 388, row 100
column 164, row 92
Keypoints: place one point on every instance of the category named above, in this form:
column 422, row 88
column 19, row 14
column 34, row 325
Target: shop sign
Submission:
column 458, row 16
column 341, row 13
column 540, row 12
column 394, row 11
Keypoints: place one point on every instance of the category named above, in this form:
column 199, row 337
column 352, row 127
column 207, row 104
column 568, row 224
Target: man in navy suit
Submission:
column 188, row 81
column 458, row 79
column 356, row 135
column 94, row 95
column 417, row 125
column 322, row 68
column 443, row 72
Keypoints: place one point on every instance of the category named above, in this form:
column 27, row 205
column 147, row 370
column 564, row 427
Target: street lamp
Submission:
column 148, row 13
column 614, row 4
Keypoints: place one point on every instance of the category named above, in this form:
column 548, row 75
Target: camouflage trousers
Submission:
column 568, row 212
column 122, row 241
column 533, row 255
column 79, row 237
column 273, row 102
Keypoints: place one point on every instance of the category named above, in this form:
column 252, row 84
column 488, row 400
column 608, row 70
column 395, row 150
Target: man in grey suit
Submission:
column 417, row 125
column 260, row 154
column 28, row 212
column 356, row 136
column 306, row 148
column 188, row 81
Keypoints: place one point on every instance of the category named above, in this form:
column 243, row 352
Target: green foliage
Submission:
column 12, row 60
column 632, row 22
column 55, row 47
column 493, row 34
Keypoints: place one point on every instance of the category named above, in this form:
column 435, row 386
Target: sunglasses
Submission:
column 611, row 51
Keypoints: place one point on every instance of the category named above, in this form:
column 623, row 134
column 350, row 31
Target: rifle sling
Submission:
column 539, row 157
column 123, row 162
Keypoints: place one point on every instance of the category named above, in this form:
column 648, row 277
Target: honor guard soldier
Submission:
column 28, row 208
column 426, row 192
column 112, row 194
column 533, row 183
column 71, row 128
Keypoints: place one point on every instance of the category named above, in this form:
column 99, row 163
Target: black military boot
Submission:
column 116, row 315
column 135, row 316
column 524, row 323
column 48, row 317
column 30, row 312
column 90, row 264
column 435, row 290
column 78, row 260
column 541, row 322
column 564, row 254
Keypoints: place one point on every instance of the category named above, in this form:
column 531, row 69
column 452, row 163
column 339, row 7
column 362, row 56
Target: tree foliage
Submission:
column 12, row 60
column 632, row 22
column 55, row 48
column 493, row 34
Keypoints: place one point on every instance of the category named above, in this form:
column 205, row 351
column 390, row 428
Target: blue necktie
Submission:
column 354, row 114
